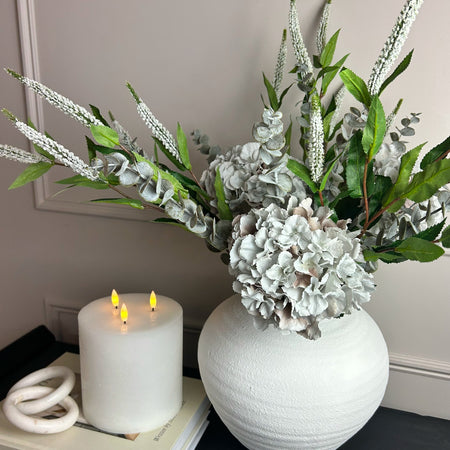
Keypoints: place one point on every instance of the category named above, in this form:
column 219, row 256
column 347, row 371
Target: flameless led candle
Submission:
column 131, row 379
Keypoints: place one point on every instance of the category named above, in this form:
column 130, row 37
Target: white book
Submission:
column 180, row 433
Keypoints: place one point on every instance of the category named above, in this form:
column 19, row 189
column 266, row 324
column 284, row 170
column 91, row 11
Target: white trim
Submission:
column 43, row 198
column 416, row 365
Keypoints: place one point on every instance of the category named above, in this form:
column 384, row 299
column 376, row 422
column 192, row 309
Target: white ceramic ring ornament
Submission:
column 42, row 398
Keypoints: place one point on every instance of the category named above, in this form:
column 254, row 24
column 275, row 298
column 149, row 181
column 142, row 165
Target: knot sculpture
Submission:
column 26, row 398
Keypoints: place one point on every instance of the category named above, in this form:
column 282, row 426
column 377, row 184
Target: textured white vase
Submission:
column 276, row 391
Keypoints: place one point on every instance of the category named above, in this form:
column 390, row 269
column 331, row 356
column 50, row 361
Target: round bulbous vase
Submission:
column 277, row 391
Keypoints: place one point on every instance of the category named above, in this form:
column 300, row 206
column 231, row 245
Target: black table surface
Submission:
column 388, row 429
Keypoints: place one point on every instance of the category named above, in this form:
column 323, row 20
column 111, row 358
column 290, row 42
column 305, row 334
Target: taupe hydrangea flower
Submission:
column 295, row 267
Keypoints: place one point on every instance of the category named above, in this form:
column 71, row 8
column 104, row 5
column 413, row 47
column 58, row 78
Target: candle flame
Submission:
column 124, row 313
column 115, row 298
column 153, row 300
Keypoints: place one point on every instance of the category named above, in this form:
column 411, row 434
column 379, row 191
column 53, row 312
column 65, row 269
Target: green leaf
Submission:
column 328, row 52
column 326, row 124
column 431, row 233
column 445, row 238
column 169, row 155
column 183, row 148
column 348, row 208
column 93, row 148
column 105, row 136
column 79, row 180
column 169, row 221
column 356, row 86
column 134, row 203
column 375, row 128
column 178, row 187
column 388, row 257
column 424, row 184
column 31, row 173
column 327, row 174
column 329, row 76
column 381, row 186
column 419, row 250
column 222, row 206
column 282, row 95
column 435, row 153
column 38, row 149
column 302, row 172
column 407, row 163
column 98, row 115
column 287, row 138
column 273, row 100
column 356, row 160
column 398, row 70
column 316, row 63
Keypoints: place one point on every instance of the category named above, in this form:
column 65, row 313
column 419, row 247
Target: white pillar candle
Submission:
column 131, row 376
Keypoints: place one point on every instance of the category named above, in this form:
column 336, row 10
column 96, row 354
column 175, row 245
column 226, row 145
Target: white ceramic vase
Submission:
column 276, row 391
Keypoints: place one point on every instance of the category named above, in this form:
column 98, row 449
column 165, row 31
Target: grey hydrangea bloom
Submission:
column 255, row 174
column 295, row 267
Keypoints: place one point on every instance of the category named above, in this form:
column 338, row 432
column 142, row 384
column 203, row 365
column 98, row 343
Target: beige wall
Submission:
column 199, row 64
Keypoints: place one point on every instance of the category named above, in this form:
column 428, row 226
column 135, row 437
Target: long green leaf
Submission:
column 327, row 174
column 105, row 136
column 302, row 172
column 31, row 173
column 79, row 180
column 328, row 52
column 329, row 75
column 424, row 184
column 39, row 149
column 98, row 115
column 354, row 172
column 93, row 148
column 134, row 203
column 398, row 70
column 169, row 155
column 435, row 153
column 431, row 233
column 183, row 148
column 169, row 221
column 273, row 100
column 406, row 166
column 445, row 237
column 375, row 128
column 356, row 86
column 222, row 206
column 419, row 250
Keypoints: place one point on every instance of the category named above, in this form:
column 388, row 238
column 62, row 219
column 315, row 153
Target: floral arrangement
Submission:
column 301, row 235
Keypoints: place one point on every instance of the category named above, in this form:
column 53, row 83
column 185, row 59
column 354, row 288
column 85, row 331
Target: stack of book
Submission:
column 183, row 432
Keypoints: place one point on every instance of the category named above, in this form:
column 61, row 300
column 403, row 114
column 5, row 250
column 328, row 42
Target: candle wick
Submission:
column 116, row 307
column 153, row 309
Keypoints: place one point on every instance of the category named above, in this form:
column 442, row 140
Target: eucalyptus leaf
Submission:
column 105, row 136
column 222, row 206
column 134, row 203
column 302, row 172
column 31, row 173
column 375, row 128
column 356, row 86
column 419, row 250
column 435, row 153
column 183, row 148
